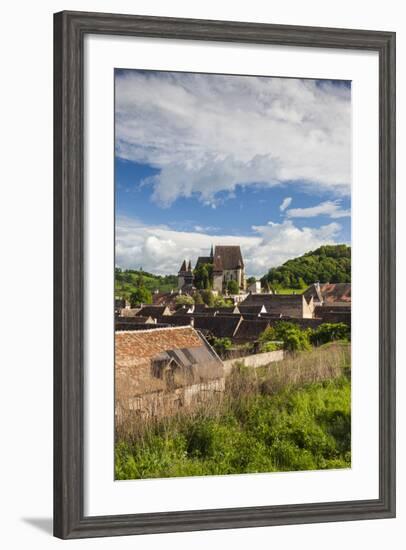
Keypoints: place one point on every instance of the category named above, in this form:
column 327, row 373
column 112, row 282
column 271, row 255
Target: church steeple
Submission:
column 211, row 252
column 183, row 267
column 189, row 267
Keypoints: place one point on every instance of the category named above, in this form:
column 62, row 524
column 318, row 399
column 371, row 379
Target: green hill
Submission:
column 330, row 263
column 126, row 282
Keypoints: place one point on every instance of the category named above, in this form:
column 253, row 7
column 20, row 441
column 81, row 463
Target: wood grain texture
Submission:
column 69, row 30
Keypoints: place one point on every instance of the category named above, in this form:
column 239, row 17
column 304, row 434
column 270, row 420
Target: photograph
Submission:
column 232, row 282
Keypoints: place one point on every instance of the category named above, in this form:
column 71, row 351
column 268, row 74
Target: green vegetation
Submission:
column 292, row 336
column 328, row 332
column 207, row 297
column 232, row 287
column 203, row 276
column 296, row 339
column 184, row 300
column 221, row 345
column 126, row 282
column 219, row 301
column 326, row 264
column 295, row 415
column 140, row 296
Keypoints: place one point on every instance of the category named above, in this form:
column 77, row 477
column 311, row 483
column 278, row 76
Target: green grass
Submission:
column 303, row 428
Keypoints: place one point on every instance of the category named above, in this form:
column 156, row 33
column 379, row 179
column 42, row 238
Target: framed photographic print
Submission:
column 224, row 275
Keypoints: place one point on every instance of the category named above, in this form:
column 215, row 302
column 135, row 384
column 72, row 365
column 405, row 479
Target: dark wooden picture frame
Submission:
column 69, row 31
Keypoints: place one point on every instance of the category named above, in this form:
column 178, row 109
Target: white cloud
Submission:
column 328, row 208
column 285, row 203
column 161, row 250
column 210, row 133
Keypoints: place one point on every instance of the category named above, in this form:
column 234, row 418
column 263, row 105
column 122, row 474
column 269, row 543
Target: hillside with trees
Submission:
column 132, row 283
column 330, row 263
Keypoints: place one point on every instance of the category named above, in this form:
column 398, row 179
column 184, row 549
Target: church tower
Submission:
column 182, row 273
column 185, row 275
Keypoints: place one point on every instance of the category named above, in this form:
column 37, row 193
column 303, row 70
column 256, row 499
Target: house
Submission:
column 217, row 326
column 255, row 310
column 289, row 305
column 120, row 304
column 132, row 323
column 154, row 311
column 163, row 370
column 175, row 320
column 329, row 293
column 334, row 314
column 255, row 287
column 131, row 312
column 167, row 298
column 250, row 330
column 184, row 310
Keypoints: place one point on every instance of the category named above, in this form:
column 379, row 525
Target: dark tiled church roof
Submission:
column 217, row 264
column 231, row 257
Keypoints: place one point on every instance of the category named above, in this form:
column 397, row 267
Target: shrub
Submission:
column 184, row 300
column 271, row 346
column 140, row 296
column 198, row 298
column 221, row 345
column 329, row 332
column 232, row 287
column 207, row 297
column 293, row 337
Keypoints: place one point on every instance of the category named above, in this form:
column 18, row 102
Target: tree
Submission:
column 219, row 301
column 198, row 298
column 232, row 287
column 221, row 345
column 141, row 295
column 202, row 276
column 330, row 263
column 207, row 297
column 328, row 332
column 293, row 338
column 184, row 300
column 251, row 280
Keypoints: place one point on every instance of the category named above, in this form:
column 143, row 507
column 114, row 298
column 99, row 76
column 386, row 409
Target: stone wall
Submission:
column 254, row 361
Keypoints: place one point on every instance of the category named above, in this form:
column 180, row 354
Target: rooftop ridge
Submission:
column 183, row 327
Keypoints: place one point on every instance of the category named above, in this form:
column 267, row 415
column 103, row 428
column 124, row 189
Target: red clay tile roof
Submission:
column 137, row 353
column 336, row 292
column 143, row 344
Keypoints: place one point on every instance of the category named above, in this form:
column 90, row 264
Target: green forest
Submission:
column 330, row 263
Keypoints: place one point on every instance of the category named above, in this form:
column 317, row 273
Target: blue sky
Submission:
column 257, row 161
